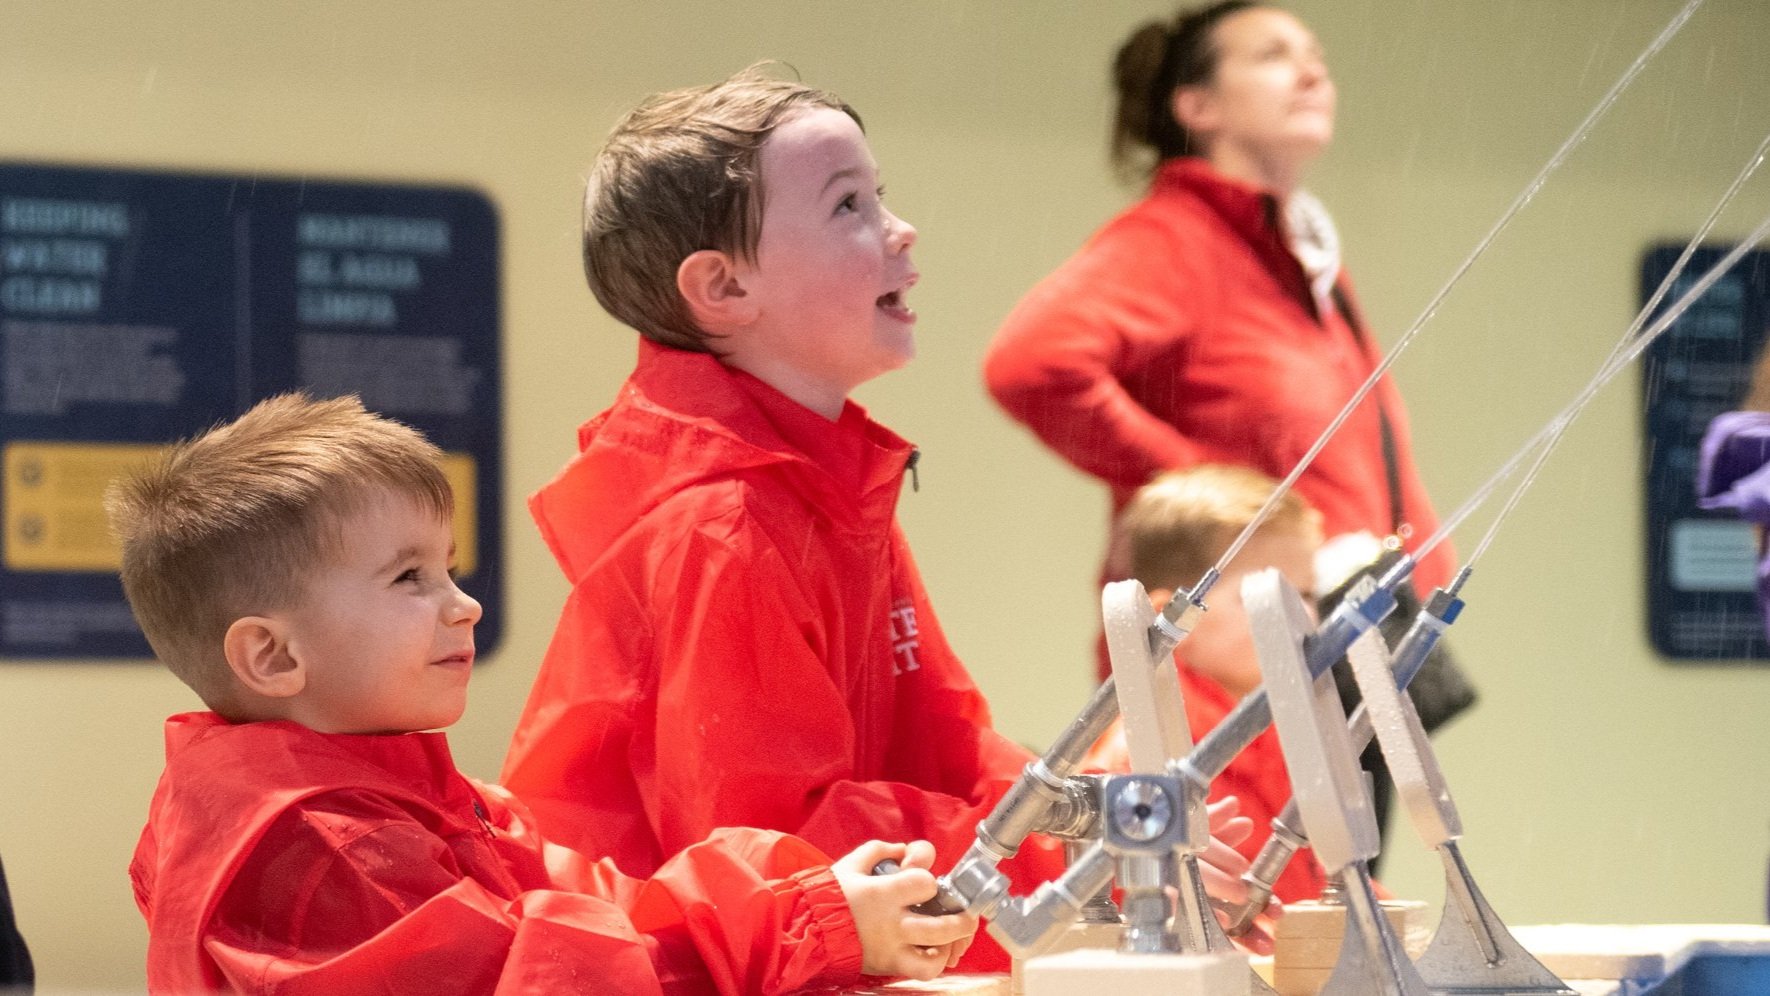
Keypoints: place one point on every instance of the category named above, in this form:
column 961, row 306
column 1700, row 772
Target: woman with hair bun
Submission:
column 1211, row 320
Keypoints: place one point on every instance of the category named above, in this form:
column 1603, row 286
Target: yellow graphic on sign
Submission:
column 54, row 499
column 463, row 475
column 53, row 494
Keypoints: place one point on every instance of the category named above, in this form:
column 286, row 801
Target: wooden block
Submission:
column 1301, row 981
column 1311, row 919
column 1316, row 919
column 1110, row 973
column 1080, row 935
column 1306, row 945
column 1312, row 952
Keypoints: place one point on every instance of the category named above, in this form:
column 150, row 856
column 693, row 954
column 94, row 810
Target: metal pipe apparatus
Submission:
column 1047, row 799
column 1288, row 835
column 1250, row 717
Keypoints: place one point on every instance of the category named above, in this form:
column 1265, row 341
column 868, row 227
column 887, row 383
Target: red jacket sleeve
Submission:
column 1127, row 299
column 352, row 894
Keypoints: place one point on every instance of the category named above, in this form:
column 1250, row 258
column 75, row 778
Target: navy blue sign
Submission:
column 1700, row 565
column 137, row 308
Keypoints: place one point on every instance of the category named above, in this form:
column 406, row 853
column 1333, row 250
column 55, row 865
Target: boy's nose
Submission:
column 465, row 608
column 902, row 233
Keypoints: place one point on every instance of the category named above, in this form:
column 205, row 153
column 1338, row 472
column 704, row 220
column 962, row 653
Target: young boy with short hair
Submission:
column 747, row 639
column 1173, row 530
column 295, row 568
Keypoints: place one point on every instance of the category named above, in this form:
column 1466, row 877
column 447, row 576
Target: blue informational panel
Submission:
column 1701, row 566
column 137, row 308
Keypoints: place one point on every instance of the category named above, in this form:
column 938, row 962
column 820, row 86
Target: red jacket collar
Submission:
column 682, row 418
column 226, row 783
column 419, row 760
column 731, row 405
column 1251, row 212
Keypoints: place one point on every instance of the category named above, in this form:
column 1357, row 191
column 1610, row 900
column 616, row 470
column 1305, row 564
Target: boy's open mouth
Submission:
column 892, row 304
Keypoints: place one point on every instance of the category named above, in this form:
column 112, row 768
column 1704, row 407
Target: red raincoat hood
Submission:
column 683, row 418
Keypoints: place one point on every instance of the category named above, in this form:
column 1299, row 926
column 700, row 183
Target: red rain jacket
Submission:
column 1184, row 332
column 747, row 640
column 1257, row 777
column 277, row 859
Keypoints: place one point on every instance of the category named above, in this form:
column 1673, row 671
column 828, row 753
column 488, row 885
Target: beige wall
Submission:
column 1596, row 782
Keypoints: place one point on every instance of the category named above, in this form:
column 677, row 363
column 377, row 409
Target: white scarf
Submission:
column 1315, row 242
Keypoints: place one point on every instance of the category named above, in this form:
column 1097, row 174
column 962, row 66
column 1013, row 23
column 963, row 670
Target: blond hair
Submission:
column 1177, row 526
column 227, row 524
column 679, row 174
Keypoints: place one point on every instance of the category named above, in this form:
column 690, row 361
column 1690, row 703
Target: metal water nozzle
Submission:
column 1288, row 834
column 1349, row 620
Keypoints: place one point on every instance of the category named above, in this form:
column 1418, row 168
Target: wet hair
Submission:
column 228, row 524
column 680, row 174
column 1158, row 58
column 1176, row 526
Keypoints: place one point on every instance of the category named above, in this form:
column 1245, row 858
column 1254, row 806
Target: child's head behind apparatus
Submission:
column 1177, row 526
column 234, row 523
column 680, row 174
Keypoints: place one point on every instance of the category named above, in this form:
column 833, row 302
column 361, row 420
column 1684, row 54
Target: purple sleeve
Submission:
column 1734, row 470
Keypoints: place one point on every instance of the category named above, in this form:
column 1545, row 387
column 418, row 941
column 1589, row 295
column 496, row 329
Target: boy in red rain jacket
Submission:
column 295, row 568
column 747, row 640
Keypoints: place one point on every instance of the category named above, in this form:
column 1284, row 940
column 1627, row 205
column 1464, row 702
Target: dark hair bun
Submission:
column 1134, row 73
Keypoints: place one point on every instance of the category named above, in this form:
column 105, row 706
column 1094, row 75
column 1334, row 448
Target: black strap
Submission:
column 1391, row 468
column 1385, row 428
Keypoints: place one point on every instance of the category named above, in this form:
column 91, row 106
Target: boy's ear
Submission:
column 257, row 650
column 713, row 285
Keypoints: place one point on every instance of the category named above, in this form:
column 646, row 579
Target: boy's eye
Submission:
column 409, row 574
column 845, row 204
